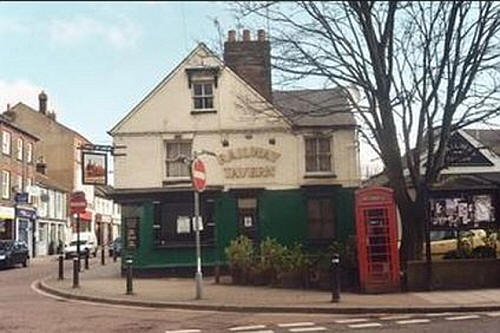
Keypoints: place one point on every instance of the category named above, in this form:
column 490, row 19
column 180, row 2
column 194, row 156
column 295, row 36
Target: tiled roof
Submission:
column 315, row 108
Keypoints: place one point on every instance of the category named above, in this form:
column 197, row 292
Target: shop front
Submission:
column 7, row 226
column 158, row 230
column 25, row 227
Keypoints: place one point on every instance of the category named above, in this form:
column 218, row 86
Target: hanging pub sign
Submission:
column 94, row 168
column 464, row 211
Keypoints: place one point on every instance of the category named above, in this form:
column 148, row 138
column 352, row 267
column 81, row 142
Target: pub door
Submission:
column 247, row 219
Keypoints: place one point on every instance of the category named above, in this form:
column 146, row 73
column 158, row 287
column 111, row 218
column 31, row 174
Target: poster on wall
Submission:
column 94, row 168
column 183, row 225
column 465, row 211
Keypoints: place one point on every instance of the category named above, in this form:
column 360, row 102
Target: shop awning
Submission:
column 86, row 216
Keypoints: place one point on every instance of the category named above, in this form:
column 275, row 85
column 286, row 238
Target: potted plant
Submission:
column 240, row 255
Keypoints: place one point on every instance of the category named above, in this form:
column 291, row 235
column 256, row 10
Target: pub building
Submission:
column 285, row 164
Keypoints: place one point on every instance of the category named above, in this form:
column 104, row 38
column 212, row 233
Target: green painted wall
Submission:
column 345, row 213
column 282, row 215
column 226, row 226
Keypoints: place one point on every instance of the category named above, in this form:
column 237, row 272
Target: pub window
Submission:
column 203, row 96
column 173, row 223
column 320, row 219
column 318, row 154
column 5, row 184
column 174, row 166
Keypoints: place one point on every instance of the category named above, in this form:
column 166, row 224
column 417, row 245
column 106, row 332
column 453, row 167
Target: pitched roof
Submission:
column 66, row 128
column 315, row 108
column 8, row 122
column 489, row 138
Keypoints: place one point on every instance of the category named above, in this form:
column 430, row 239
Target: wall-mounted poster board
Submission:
column 463, row 210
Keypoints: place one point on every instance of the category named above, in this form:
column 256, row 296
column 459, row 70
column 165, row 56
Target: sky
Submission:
column 96, row 60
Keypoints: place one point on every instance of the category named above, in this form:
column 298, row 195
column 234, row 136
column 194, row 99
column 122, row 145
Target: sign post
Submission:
column 199, row 182
column 77, row 205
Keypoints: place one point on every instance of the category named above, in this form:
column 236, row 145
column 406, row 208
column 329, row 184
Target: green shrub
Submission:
column 271, row 255
column 294, row 259
column 240, row 252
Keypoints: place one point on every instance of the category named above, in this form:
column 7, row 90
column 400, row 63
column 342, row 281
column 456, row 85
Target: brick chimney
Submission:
column 42, row 102
column 251, row 60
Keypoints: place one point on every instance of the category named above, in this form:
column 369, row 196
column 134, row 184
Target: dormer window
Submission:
column 203, row 96
column 202, row 80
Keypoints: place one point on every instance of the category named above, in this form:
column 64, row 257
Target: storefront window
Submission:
column 320, row 219
column 173, row 225
column 6, row 229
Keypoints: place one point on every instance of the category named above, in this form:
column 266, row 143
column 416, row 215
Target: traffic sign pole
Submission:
column 198, row 179
column 198, row 276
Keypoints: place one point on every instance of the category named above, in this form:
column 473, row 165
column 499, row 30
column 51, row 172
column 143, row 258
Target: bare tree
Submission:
column 421, row 69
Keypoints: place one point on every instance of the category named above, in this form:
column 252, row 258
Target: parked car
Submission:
column 88, row 242
column 444, row 242
column 115, row 247
column 13, row 253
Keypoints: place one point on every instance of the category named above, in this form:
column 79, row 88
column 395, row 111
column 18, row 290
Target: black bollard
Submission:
column 76, row 271
column 129, row 277
column 114, row 255
column 87, row 259
column 217, row 273
column 335, row 278
column 103, row 256
column 61, row 267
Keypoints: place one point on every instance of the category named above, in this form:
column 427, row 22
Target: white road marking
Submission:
column 395, row 317
column 184, row 331
column 366, row 325
column 246, row 328
column 308, row 329
column 413, row 321
column 308, row 323
column 462, row 317
column 439, row 314
column 351, row 321
column 493, row 314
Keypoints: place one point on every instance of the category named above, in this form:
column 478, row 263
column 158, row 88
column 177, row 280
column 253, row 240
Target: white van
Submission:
column 88, row 242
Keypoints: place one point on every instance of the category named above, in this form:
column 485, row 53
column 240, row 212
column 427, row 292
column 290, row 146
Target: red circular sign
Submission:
column 77, row 202
column 199, row 175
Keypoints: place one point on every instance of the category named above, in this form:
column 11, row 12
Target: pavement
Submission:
column 105, row 285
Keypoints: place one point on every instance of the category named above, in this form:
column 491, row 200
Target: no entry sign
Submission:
column 199, row 175
column 77, row 202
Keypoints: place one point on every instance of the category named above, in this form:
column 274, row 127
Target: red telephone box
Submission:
column 377, row 240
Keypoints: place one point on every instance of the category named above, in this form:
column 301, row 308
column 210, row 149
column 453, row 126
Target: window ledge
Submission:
column 320, row 175
column 176, row 180
column 203, row 111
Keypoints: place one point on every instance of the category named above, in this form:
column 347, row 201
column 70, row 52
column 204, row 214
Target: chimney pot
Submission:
column 42, row 101
column 261, row 35
column 231, row 36
column 246, row 35
column 8, row 107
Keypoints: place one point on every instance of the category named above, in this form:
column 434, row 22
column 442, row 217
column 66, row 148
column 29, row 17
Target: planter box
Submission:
column 455, row 274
